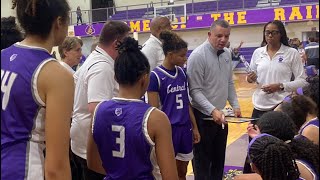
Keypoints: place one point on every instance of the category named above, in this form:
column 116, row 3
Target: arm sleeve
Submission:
column 253, row 65
column 101, row 83
column 299, row 74
column 195, row 74
column 154, row 82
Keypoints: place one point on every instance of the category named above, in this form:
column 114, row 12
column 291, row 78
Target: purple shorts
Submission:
column 182, row 142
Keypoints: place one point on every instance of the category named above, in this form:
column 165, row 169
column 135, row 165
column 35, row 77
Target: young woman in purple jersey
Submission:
column 303, row 111
column 303, row 150
column 272, row 158
column 168, row 89
column 130, row 139
column 37, row 96
column 311, row 128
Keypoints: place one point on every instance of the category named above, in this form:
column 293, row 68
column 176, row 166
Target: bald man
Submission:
column 152, row 48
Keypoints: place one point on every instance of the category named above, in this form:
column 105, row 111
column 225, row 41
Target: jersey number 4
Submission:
column 7, row 80
column 119, row 140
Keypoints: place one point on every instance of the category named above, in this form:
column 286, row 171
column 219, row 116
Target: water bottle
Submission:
column 246, row 64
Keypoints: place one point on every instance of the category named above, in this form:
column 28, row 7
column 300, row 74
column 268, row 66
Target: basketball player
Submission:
column 94, row 82
column 168, row 87
column 303, row 150
column 131, row 137
column 37, row 96
column 272, row 158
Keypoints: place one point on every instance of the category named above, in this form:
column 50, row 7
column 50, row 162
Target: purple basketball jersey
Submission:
column 314, row 122
column 310, row 168
column 120, row 133
column 22, row 113
column 173, row 94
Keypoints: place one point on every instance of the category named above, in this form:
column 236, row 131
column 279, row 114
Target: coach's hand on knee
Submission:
column 217, row 116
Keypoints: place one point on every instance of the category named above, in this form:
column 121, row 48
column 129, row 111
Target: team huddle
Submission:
column 143, row 112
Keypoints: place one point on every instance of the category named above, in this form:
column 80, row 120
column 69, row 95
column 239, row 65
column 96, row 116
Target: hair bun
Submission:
column 128, row 44
column 166, row 36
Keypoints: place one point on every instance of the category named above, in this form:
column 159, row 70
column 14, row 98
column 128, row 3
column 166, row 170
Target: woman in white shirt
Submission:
column 272, row 67
column 70, row 52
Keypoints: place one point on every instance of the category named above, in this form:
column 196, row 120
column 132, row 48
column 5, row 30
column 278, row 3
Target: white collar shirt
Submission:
column 152, row 49
column 279, row 69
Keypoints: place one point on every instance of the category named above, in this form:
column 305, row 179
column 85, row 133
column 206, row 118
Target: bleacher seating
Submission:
column 287, row 2
column 202, row 7
column 198, row 8
column 247, row 53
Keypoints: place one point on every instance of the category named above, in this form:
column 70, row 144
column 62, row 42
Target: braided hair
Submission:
column 273, row 159
column 280, row 125
column 131, row 63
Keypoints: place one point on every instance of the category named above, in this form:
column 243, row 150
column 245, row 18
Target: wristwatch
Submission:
column 281, row 86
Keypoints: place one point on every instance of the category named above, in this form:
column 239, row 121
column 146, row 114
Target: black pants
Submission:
column 79, row 18
column 255, row 114
column 209, row 154
column 80, row 170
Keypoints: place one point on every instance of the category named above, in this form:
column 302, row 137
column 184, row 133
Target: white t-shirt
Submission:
column 279, row 69
column 152, row 49
column 67, row 67
column 94, row 82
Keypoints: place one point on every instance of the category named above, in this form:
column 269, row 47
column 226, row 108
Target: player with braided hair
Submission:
column 272, row 158
column 132, row 138
column 280, row 125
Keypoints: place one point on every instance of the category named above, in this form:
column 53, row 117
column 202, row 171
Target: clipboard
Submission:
column 232, row 119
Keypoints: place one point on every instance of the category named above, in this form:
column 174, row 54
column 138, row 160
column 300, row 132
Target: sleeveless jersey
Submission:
column 22, row 113
column 309, row 167
column 314, row 122
column 120, row 132
column 173, row 95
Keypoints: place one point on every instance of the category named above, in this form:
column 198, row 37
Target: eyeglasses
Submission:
column 273, row 33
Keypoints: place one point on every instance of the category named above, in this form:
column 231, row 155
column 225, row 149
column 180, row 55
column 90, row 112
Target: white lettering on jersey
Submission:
column 119, row 140
column 177, row 88
column 7, row 80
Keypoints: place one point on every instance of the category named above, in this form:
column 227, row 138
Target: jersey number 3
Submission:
column 119, row 140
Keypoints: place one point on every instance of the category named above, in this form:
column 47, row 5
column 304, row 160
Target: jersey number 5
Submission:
column 119, row 140
column 179, row 101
